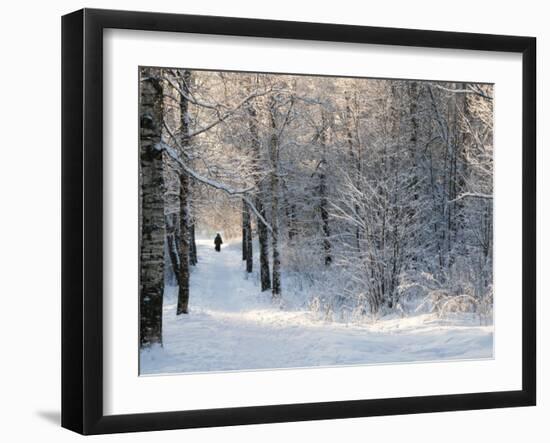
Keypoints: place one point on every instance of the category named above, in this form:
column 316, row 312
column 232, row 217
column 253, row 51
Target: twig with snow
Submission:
column 471, row 195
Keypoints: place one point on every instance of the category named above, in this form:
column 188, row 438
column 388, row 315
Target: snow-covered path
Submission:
column 231, row 325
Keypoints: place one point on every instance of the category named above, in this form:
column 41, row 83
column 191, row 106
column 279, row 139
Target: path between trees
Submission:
column 231, row 325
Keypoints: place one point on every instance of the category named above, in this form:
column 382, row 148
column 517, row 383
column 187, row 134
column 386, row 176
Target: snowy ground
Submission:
column 233, row 326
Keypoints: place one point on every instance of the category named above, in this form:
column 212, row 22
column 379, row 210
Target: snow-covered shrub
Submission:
column 444, row 304
column 485, row 307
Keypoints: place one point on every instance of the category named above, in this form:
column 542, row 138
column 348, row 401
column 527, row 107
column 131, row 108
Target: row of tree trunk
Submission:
column 152, row 233
column 160, row 233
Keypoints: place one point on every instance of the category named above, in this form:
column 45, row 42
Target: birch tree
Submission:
column 152, row 231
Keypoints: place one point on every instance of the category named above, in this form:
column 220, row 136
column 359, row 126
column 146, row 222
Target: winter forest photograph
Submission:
column 299, row 221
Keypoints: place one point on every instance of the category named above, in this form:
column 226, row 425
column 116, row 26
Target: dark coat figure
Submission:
column 218, row 242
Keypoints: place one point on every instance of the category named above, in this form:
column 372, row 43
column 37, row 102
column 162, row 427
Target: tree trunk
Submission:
column 185, row 237
column 325, row 219
column 274, row 157
column 244, row 233
column 323, row 203
column 415, row 155
column 183, row 291
column 263, row 239
column 263, row 234
column 247, row 237
column 352, row 128
column 292, row 228
column 193, row 246
column 172, row 243
column 152, row 210
column 193, row 259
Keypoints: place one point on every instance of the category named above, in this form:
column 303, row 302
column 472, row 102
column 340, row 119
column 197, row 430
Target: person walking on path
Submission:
column 218, row 241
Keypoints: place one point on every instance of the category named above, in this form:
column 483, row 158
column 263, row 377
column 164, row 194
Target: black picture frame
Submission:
column 82, row 218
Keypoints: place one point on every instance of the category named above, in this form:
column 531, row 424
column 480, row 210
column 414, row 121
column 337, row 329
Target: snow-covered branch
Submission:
column 242, row 193
column 189, row 98
column 471, row 195
column 217, row 108
column 470, row 90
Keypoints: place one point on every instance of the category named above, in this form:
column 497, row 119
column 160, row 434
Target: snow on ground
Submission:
column 231, row 325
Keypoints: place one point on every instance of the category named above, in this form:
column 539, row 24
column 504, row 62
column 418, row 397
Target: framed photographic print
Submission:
column 270, row 221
